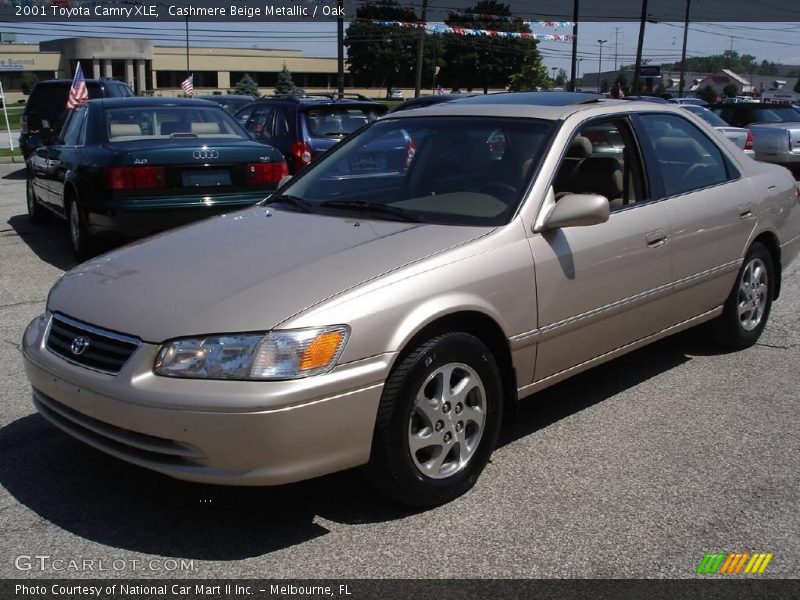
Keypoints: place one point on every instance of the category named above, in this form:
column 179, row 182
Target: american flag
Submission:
column 78, row 93
column 187, row 85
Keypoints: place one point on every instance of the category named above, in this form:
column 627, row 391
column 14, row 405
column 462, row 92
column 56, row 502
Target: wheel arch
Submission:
column 770, row 241
column 482, row 326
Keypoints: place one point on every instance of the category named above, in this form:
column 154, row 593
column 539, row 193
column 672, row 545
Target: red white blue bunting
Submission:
column 443, row 28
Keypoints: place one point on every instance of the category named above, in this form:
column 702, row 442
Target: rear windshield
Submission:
column 707, row 116
column 338, row 121
column 170, row 122
column 49, row 101
column 773, row 114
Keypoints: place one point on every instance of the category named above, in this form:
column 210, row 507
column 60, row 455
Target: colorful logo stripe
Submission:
column 734, row 563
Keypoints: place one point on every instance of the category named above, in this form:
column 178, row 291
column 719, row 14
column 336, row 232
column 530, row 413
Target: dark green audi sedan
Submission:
column 129, row 167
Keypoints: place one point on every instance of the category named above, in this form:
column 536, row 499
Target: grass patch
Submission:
column 7, row 152
column 14, row 113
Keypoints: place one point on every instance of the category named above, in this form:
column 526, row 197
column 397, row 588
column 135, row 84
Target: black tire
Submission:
column 36, row 213
column 392, row 469
column 733, row 331
column 83, row 246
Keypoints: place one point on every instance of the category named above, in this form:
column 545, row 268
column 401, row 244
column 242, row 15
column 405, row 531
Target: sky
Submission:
column 777, row 42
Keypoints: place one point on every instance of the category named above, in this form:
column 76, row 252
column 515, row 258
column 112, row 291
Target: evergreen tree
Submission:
column 285, row 83
column 247, row 86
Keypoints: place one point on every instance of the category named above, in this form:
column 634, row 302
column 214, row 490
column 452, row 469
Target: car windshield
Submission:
column 167, row 122
column 446, row 170
column 338, row 121
column 708, row 116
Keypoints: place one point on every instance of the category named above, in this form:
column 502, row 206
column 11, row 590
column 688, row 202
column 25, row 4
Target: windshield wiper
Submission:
column 363, row 205
column 288, row 199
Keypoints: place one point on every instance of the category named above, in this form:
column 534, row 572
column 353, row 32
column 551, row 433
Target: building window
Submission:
column 173, row 79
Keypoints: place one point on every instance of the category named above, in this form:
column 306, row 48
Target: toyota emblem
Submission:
column 79, row 345
column 205, row 154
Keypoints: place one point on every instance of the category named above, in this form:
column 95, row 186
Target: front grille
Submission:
column 104, row 350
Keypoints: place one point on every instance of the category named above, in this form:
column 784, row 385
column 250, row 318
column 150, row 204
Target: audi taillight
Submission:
column 23, row 124
column 748, row 144
column 136, row 178
column 301, row 155
column 265, row 173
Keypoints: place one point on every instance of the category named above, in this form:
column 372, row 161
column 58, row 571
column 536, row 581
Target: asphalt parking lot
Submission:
column 635, row 469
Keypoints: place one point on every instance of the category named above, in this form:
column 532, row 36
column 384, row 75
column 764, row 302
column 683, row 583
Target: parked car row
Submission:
column 386, row 305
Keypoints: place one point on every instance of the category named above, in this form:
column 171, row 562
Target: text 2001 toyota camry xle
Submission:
column 434, row 267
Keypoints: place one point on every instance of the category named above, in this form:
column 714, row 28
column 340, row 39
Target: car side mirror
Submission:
column 578, row 210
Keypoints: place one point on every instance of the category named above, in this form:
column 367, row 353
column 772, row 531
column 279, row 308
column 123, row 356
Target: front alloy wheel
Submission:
column 446, row 424
column 753, row 292
column 438, row 421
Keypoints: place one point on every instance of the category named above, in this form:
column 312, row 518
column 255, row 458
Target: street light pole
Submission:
column 340, row 51
column 600, row 64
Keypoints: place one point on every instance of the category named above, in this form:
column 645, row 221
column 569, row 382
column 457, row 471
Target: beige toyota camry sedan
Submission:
column 385, row 305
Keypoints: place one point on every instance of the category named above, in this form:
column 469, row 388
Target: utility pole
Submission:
column 188, row 73
column 600, row 65
column 683, row 52
column 340, row 50
column 573, row 76
column 420, row 46
column 639, row 47
column 616, row 46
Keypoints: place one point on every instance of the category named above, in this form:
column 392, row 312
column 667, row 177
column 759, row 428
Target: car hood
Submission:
column 243, row 271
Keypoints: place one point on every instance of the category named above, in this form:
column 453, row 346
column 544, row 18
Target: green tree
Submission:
column 482, row 62
column 561, row 78
column 797, row 86
column 28, row 81
column 730, row 90
column 247, row 86
column 383, row 55
column 707, row 93
column 285, row 83
column 767, row 68
column 533, row 74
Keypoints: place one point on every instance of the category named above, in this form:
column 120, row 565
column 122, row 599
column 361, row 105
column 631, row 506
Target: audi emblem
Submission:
column 205, row 154
column 79, row 345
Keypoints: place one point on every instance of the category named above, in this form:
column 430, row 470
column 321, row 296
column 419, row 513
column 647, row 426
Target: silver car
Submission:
column 742, row 137
column 389, row 303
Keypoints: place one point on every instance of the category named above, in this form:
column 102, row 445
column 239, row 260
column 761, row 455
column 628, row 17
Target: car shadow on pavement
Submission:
column 18, row 175
column 595, row 385
column 49, row 241
column 100, row 498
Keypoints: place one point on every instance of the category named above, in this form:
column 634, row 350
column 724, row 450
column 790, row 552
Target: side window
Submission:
column 687, row 159
column 281, row 123
column 244, row 116
column 260, row 123
column 603, row 159
column 73, row 128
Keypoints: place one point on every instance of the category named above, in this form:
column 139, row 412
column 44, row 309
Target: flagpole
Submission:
column 5, row 112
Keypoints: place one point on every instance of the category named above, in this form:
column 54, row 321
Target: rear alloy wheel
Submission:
column 36, row 213
column 438, row 421
column 82, row 244
column 747, row 309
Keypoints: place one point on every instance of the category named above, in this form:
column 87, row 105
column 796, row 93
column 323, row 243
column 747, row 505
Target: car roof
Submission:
column 68, row 82
column 149, row 101
column 532, row 98
column 516, row 107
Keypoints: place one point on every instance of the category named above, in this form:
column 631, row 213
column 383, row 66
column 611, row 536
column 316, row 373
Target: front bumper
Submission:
column 224, row 432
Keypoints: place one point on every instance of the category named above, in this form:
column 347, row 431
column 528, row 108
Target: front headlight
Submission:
column 286, row 354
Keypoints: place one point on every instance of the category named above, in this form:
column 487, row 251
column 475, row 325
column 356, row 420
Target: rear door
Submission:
column 710, row 207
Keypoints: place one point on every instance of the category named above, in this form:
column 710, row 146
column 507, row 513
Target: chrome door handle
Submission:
column 656, row 238
column 745, row 210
